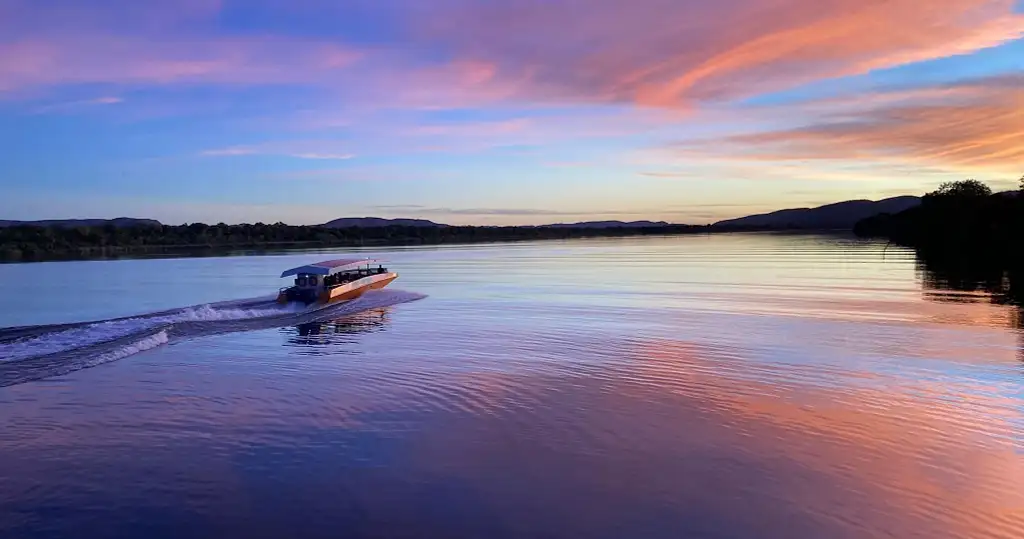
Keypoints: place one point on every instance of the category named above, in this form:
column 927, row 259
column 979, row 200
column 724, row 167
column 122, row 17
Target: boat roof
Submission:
column 330, row 267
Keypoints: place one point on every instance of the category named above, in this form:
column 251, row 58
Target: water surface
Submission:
column 690, row 386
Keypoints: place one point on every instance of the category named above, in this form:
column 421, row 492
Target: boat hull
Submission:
column 349, row 291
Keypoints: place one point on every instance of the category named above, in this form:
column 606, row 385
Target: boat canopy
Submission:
column 330, row 267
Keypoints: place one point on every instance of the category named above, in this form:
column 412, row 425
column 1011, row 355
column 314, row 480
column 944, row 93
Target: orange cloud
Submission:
column 984, row 129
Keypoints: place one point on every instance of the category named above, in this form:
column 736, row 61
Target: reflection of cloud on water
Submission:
column 607, row 437
column 687, row 438
column 925, row 447
column 976, row 292
column 985, row 291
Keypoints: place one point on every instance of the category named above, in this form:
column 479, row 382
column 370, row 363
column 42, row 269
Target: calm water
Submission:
column 726, row 386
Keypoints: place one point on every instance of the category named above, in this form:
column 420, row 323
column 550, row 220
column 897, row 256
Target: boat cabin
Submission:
column 311, row 281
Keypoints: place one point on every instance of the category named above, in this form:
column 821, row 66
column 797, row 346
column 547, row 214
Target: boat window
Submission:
column 312, row 280
column 300, row 281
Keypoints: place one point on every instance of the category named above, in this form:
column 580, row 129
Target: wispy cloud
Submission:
column 982, row 128
column 398, row 207
column 680, row 174
column 330, row 156
column 569, row 164
column 416, row 209
column 84, row 58
column 283, row 149
column 476, row 129
column 413, row 209
column 694, row 213
column 69, row 106
column 227, row 152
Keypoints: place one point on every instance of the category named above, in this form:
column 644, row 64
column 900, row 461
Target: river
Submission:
column 722, row 386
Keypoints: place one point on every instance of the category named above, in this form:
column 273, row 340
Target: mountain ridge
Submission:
column 837, row 215
column 372, row 222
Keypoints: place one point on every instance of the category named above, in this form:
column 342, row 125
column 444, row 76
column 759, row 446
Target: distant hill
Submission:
column 840, row 215
column 73, row 223
column 375, row 222
column 609, row 224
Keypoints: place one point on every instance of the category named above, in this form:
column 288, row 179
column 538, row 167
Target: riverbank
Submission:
column 38, row 244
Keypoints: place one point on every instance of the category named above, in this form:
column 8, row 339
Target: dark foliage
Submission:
column 962, row 189
column 958, row 216
column 966, row 233
column 46, row 243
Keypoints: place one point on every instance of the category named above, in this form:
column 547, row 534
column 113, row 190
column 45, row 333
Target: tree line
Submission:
column 31, row 243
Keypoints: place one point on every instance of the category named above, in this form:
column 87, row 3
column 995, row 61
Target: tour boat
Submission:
column 335, row 280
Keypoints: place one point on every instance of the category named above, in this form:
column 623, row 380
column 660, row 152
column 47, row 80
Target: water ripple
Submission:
column 733, row 386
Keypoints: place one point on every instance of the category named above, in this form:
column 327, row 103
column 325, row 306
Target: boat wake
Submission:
column 36, row 352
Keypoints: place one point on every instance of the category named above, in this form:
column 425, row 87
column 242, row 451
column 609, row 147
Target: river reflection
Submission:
column 967, row 279
column 976, row 280
column 339, row 331
column 739, row 386
column 370, row 320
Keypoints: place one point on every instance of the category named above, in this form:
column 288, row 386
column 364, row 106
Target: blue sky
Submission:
column 499, row 111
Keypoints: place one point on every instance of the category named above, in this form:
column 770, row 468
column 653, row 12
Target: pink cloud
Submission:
column 672, row 53
column 78, row 59
column 475, row 129
column 664, row 53
column 32, row 17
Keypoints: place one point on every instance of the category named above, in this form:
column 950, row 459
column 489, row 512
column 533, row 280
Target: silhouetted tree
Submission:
column 962, row 189
column 966, row 234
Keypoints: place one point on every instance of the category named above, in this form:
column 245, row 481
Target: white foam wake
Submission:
column 205, row 313
column 55, row 350
column 141, row 345
column 85, row 335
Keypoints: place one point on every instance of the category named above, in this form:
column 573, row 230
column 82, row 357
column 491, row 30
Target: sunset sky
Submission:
column 499, row 111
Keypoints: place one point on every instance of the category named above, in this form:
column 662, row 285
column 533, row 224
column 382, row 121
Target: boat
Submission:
column 335, row 280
